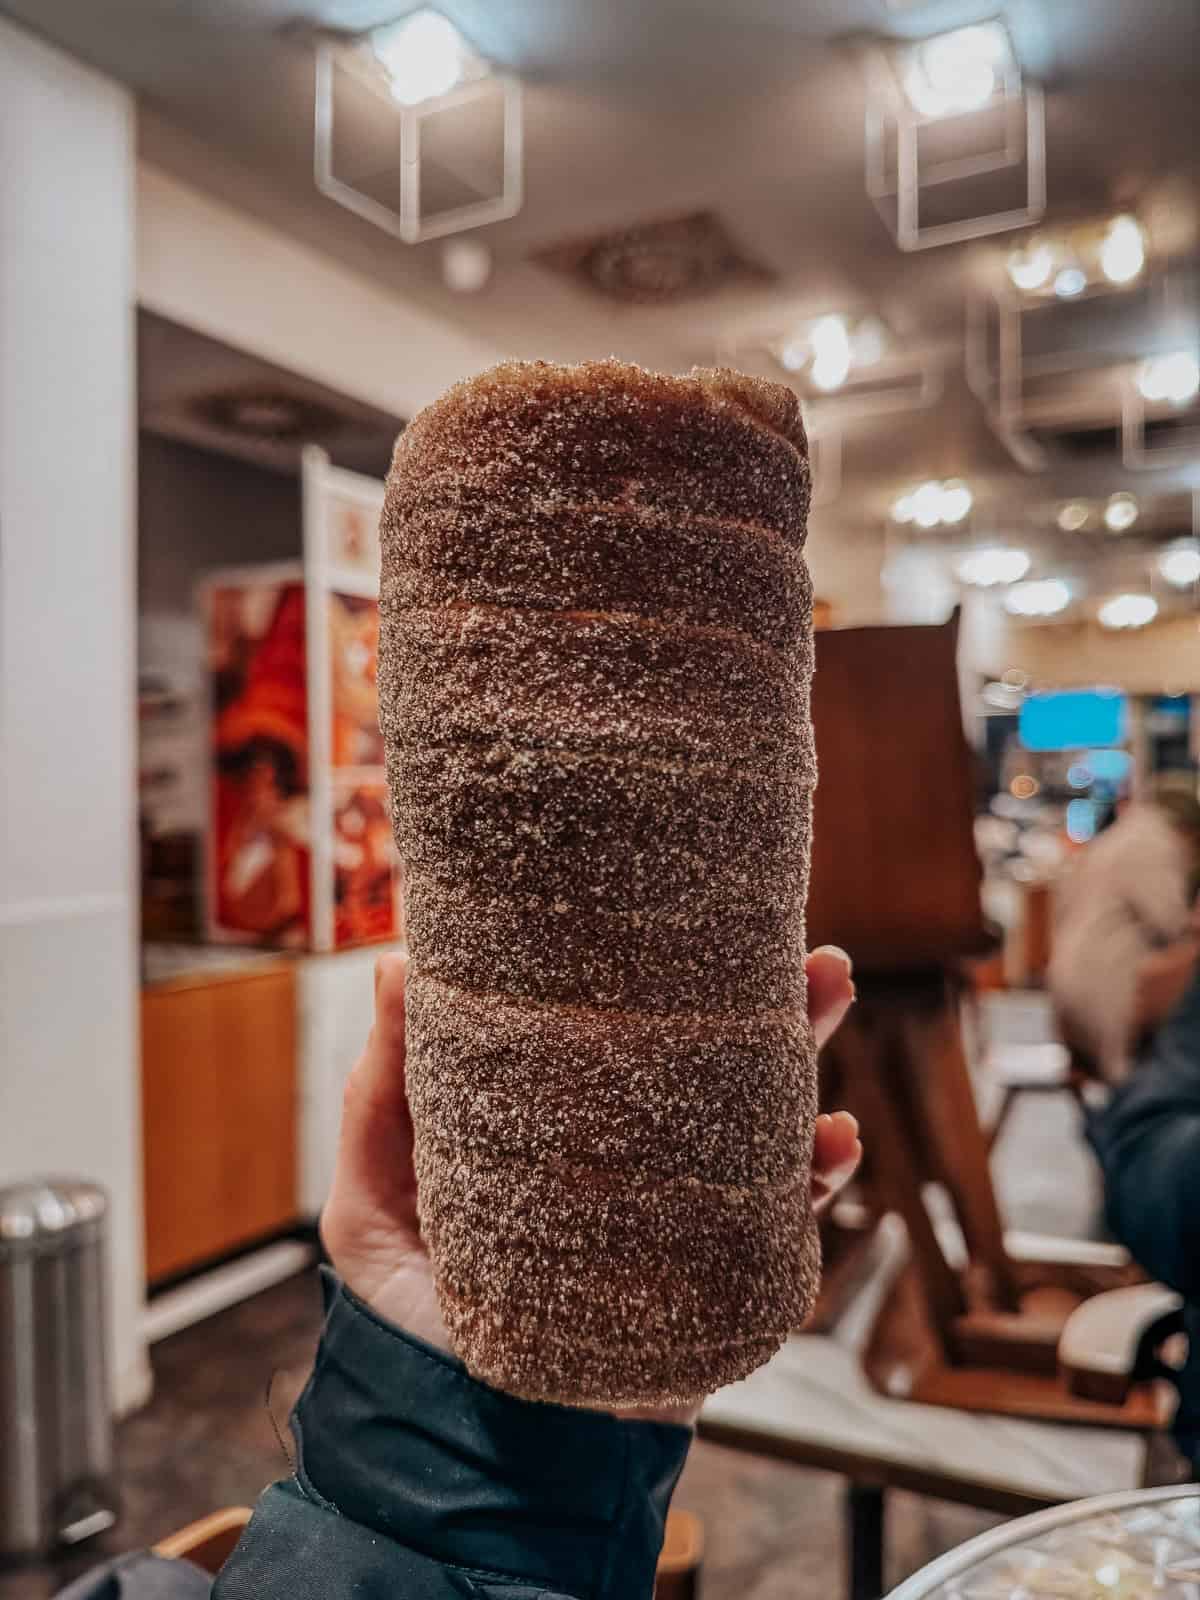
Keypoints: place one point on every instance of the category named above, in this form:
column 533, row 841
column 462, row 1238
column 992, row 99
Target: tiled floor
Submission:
column 207, row 1440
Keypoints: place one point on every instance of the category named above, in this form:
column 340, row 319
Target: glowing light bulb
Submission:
column 957, row 500
column 1030, row 268
column 927, row 505
column 869, row 342
column 1123, row 252
column 1121, row 512
column 1128, row 611
column 1073, row 516
column 992, row 564
column 957, row 72
column 1068, row 282
column 466, row 265
column 1174, row 377
column 423, row 55
column 1180, row 564
column 830, row 341
column 1042, row 597
column 793, row 356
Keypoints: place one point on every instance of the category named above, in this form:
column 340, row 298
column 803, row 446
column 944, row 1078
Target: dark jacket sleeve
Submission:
column 413, row 1479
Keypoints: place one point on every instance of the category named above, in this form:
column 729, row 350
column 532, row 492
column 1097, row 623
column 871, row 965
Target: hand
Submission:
column 369, row 1226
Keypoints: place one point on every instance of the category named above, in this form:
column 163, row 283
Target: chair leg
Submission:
column 864, row 1512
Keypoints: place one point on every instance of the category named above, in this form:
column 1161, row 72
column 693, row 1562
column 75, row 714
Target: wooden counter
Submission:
column 219, row 1111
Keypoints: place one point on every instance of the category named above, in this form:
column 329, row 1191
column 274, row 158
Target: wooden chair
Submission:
column 896, row 881
column 210, row 1542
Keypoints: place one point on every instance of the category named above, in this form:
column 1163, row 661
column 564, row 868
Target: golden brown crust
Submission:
column 594, row 676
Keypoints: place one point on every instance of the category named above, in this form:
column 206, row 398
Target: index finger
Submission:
column 830, row 990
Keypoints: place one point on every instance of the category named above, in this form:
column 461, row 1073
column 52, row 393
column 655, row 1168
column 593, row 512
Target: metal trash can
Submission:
column 56, row 1445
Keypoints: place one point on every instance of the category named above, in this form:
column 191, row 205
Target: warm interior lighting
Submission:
column 927, row 505
column 466, row 265
column 1174, row 377
column 868, row 342
column 831, row 357
column 1042, row 597
column 1031, row 267
column 1121, row 512
column 1179, row 564
column 957, row 72
column 933, row 503
column 831, row 347
column 1024, row 786
column 1073, row 516
column 991, row 565
column 957, row 500
column 1123, row 250
column 1128, row 611
column 1069, row 281
column 1068, row 261
column 423, row 55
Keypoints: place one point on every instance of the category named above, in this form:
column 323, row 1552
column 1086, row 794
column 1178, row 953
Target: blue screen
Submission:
column 1072, row 719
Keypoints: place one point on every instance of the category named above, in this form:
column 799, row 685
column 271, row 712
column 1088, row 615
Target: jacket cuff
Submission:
column 397, row 1435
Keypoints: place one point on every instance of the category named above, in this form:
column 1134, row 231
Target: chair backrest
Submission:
column 895, row 875
column 209, row 1542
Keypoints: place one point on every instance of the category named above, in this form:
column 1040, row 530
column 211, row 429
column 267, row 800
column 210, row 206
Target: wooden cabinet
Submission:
column 218, row 1113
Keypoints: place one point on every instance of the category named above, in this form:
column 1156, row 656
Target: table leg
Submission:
column 864, row 1508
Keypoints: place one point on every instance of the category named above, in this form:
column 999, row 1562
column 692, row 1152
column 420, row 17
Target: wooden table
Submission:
column 814, row 1405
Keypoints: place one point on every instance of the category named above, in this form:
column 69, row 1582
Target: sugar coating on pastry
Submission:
column 595, row 658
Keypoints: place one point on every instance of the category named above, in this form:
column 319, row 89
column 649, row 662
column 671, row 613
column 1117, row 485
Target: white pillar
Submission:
column 69, row 1096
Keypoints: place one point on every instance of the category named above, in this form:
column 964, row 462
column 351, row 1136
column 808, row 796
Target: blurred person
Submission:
column 411, row 1477
column 1148, row 1141
column 1126, row 933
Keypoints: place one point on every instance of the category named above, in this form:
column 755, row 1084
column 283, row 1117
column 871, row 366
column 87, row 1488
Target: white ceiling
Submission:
column 641, row 109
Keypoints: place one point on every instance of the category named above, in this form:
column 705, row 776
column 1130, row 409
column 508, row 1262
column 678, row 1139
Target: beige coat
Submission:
column 1125, row 897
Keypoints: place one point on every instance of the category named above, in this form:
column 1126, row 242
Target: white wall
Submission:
column 1155, row 660
column 221, row 272
column 68, row 956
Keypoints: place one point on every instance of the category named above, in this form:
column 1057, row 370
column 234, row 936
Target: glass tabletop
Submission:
column 1138, row 1546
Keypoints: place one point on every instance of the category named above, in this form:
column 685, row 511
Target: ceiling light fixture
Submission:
column 957, row 500
column 991, row 565
column 933, row 503
column 927, row 505
column 1069, row 282
column 1174, row 377
column 1073, row 516
column 423, row 56
column 1042, row 597
column 969, row 73
column 1128, row 611
column 954, row 73
column 1031, row 267
column 423, row 66
column 1123, row 250
column 1121, row 512
column 831, row 354
column 1179, row 564
column 869, row 342
column 466, row 265
column 832, row 346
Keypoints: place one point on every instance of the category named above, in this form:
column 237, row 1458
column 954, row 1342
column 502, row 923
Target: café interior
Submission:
column 242, row 246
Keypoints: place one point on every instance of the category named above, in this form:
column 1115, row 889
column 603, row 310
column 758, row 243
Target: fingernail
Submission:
column 836, row 951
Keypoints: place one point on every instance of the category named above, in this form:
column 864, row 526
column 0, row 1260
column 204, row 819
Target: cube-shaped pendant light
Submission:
column 402, row 100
